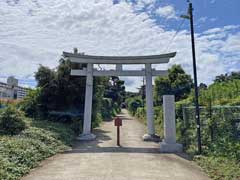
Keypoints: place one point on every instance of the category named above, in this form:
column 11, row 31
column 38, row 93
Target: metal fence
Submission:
column 217, row 123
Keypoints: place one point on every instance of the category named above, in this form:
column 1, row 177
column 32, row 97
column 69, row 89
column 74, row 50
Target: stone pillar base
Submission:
column 86, row 137
column 170, row 148
column 153, row 138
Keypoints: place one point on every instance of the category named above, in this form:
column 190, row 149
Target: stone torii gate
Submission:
column 89, row 72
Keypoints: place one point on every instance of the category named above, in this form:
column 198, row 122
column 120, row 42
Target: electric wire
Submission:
column 175, row 35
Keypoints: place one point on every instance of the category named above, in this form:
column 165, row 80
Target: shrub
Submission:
column 133, row 104
column 106, row 108
column 31, row 103
column 218, row 167
column 97, row 119
column 11, row 121
column 22, row 152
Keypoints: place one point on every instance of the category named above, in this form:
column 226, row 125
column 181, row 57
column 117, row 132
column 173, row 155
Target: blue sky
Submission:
column 34, row 32
column 222, row 12
column 207, row 13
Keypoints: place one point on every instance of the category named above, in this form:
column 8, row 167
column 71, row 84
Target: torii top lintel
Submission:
column 150, row 59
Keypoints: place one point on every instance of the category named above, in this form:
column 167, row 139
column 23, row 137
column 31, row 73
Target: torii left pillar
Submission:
column 87, row 135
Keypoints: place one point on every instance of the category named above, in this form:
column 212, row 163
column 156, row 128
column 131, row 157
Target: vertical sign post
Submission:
column 118, row 123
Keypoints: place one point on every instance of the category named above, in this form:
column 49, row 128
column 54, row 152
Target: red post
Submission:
column 118, row 136
column 118, row 123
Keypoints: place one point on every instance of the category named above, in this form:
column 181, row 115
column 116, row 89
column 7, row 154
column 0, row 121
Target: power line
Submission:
column 175, row 35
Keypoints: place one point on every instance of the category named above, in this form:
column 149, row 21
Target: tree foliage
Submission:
column 115, row 90
column 11, row 121
column 58, row 91
column 221, row 93
column 177, row 83
column 227, row 77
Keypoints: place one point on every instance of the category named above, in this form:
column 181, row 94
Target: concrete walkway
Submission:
column 103, row 160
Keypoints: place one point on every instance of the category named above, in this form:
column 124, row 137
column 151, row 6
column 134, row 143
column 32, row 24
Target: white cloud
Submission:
column 232, row 44
column 167, row 12
column 213, row 19
column 212, row 1
column 203, row 19
column 222, row 29
column 140, row 4
column 34, row 32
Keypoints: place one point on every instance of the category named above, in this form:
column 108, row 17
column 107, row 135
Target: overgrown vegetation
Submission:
column 49, row 117
column 12, row 121
column 220, row 124
column 24, row 150
column 60, row 96
column 221, row 93
column 220, row 129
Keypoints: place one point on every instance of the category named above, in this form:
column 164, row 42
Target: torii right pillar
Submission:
column 150, row 136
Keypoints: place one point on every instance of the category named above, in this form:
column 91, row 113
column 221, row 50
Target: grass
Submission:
column 219, row 168
column 42, row 139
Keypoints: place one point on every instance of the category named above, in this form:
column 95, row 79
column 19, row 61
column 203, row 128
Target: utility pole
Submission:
column 197, row 111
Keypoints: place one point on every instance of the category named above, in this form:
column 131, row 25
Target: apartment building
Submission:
column 11, row 89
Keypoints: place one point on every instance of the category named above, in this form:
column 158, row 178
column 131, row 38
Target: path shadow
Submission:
column 103, row 136
column 91, row 149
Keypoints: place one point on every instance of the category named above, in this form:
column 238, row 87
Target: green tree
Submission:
column 116, row 90
column 59, row 91
column 177, row 83
column 31, row 104
column 44, row 75
column 227, row 77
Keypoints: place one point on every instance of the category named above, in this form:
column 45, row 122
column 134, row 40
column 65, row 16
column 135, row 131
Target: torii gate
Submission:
column 89, row 72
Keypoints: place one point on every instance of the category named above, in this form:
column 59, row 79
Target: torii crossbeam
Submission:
column 89, row 72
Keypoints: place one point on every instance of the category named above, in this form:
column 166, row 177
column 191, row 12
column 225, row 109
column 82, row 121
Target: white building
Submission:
column 11, row 89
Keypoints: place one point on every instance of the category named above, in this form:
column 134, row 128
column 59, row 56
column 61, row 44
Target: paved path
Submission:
column 103, row 160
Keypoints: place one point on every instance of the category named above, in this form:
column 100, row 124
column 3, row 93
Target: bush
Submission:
column 30, row 104
column 140, row 114
column 22, row 152
column 107, row 108
column 12, row 121
column 133, row 104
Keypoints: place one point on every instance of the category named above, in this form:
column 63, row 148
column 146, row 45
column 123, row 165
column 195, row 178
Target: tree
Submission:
column 44, row 75
column 177, row 83
column 162, row 87
column 221, row 78
column 227, row 77
column 202, row 86
column 116, row 90
column 59, row 91
column 235, row 75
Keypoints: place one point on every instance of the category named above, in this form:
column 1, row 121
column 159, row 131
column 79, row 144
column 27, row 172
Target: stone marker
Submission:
column 169, row 143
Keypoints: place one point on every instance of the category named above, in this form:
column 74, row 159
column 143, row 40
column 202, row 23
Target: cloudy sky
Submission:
column 34, row 32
